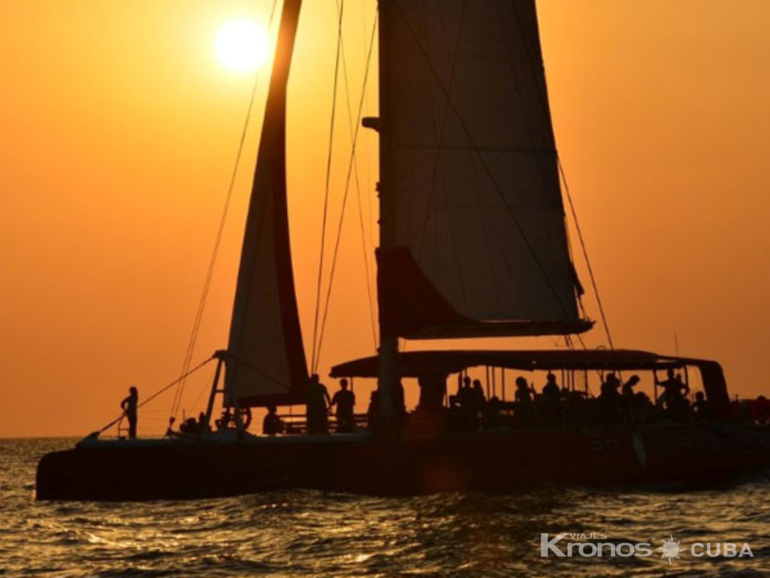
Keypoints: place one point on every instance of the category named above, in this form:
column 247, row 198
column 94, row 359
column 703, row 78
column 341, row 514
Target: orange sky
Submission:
column 120, row 129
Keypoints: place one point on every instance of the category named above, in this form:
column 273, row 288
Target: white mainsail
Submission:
column 266, row 359
column 474, row 240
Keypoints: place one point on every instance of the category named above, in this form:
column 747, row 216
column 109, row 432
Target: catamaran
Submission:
column 473, row 244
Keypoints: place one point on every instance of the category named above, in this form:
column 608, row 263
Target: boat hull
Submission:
column 487, row 462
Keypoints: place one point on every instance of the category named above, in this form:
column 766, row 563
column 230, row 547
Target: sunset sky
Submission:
column 120, row 130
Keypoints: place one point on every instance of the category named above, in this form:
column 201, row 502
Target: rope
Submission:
column 217, row 242
column 313, row 360
column 345, row 195
column 156, row 394
column 352, row 124
column 585, row 254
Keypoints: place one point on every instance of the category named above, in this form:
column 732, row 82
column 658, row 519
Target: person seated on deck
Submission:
column 702, row 408
column 552, row 400
column 345, row 401
column 130, row 406
column 232, row 419
column 609, row 398
column 203, row 424
column 317, row 404
column 493, row 413
column 272, row 424
column 761, row 411
column 189, row 427
column 628, row 396
column 629, row 385
column 224, row 420
column 644, row 409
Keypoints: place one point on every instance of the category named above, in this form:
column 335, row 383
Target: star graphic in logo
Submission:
column 670, row 549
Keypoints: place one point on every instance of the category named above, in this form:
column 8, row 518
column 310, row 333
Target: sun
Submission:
column 242, row 45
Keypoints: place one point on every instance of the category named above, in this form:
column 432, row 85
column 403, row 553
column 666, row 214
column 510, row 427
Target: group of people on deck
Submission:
column 470, row 410
column 618, row 402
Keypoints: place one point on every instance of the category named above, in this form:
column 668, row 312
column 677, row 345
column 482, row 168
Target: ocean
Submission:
column 316, row 534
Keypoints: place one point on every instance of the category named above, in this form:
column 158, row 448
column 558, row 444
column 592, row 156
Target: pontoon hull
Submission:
column 488, row 462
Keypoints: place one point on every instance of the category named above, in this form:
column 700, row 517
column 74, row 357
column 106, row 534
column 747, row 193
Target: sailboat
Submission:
column 473, row 244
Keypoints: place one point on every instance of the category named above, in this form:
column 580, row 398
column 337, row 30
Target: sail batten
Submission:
column 266, row 361
column 476, row 217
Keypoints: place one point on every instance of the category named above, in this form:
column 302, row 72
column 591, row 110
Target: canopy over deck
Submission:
column 416, row 363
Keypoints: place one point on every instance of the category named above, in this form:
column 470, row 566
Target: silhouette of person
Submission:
column 523, row 391
column 610, row 386
column 129, row 406
column 203, row 424
column 701, row 407
column 479, row 399
column 317, row 403
column 272, row 424
column 552, row 397
column 524, row 402
column 465, row 395
column 345, row 401
column 551, row 389
column 674, row 391
column 628, row 386
column 609, row 398
column 493, row 412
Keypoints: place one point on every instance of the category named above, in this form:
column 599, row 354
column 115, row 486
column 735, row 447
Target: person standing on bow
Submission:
column 130, row 406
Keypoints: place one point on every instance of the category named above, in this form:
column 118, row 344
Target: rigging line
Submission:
column 367, row 161
column 358, row 192
column 347, row 188
column 544, row 105
column 157, row 393
column 327, row 188
column 484, row 164
column 218, row 240
column 585, row 254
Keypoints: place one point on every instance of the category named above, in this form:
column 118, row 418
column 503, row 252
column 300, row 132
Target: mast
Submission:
column 388, row 351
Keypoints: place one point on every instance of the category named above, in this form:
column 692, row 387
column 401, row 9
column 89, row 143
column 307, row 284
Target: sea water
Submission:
column 316, row 534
